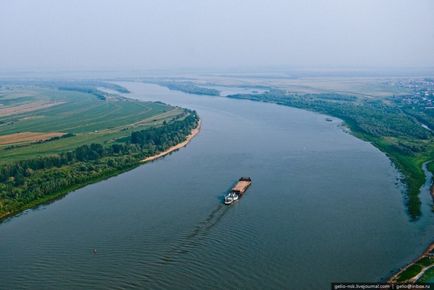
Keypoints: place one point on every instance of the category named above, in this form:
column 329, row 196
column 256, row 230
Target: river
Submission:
column 324, row 206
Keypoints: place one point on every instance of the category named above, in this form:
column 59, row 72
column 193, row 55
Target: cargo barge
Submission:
column 238, row 190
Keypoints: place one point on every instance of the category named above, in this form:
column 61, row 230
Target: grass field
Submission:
column 85, row 117
column 59, row 136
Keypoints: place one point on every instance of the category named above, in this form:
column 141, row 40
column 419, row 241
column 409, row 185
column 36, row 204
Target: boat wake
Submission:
column 199, row 232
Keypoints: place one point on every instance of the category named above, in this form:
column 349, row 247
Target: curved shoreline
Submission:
column 176, row 147
column 65, row 191
column 427, row 253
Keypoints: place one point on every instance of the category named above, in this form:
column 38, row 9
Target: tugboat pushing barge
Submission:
column 238, row 190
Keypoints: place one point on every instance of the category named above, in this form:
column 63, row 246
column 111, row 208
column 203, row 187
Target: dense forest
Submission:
column 30, row 182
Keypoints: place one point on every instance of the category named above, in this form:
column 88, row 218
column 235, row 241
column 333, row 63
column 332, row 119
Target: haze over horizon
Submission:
column 129, row 35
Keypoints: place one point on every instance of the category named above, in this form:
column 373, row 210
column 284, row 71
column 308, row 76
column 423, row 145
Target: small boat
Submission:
column 231, row 197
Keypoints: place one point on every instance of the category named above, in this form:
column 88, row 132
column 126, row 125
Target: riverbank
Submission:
column 105, row 175
column 416, row 269
column 385, row 126
column 176, row 147
column 409, row 165
column 41, row 172
column 62, row 193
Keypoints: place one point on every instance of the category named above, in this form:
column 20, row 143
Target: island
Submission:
column 58, row 136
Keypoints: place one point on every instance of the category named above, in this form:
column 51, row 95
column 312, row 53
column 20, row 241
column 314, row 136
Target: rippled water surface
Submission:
column 324, row 206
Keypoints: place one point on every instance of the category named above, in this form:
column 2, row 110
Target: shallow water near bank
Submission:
column 324, row 206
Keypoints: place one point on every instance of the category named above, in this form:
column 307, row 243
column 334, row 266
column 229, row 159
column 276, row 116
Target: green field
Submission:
column 88, row 118
column 57, row 137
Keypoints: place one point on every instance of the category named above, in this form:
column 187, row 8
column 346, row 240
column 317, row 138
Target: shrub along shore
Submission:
column 28, row 183
column 387, row 126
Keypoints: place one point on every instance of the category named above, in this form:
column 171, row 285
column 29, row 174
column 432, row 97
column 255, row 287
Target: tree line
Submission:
column 26, row 181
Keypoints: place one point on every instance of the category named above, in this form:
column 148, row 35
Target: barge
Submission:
column 238, row 190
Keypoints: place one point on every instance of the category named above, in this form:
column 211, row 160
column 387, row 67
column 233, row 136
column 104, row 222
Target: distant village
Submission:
column 421, row 92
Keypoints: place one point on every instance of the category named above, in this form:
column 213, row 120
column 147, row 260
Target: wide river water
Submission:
column 324, row 206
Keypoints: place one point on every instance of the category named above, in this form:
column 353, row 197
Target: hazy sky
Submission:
column 140, row 34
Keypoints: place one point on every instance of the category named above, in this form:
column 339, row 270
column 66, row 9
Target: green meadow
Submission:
column 87, row 118
column 55, row 139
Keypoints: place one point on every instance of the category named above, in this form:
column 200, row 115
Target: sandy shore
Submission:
column 414, row 279
column 193, row 133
